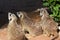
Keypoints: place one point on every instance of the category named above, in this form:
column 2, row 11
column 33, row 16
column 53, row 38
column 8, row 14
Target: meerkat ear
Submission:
column 20, row 15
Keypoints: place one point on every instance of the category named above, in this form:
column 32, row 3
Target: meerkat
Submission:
column 49, row 26
column 14, row 30
column 30, row 22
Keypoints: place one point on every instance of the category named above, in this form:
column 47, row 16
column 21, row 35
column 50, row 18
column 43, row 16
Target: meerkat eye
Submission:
column 10, row 14
column 20, row 16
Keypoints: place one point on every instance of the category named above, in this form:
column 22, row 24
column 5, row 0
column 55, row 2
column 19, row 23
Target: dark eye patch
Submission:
column 10, row 14
column 20, row 15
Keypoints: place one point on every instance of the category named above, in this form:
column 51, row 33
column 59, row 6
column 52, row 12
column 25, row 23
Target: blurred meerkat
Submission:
column 14, row 30
column 49, row 26
column 30, row 22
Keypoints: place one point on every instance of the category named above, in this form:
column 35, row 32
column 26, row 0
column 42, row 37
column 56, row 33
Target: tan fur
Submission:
column 49, row 26
column 38, row 20
column 30, row 22
column 14, row 30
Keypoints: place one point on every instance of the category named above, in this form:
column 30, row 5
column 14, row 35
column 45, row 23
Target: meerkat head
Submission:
column 11, row 16
column 20, row 15
column 43, row 12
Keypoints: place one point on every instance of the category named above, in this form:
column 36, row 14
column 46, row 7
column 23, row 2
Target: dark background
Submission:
column 16, row 5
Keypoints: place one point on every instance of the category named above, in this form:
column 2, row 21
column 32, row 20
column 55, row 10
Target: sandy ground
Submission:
column 3, row 36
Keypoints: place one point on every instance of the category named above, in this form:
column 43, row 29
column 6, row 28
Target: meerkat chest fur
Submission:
column 14, row 30
column 31, row 24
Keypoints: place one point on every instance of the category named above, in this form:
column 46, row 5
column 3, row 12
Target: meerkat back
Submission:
column 32, row 27
column 14, row 30
column 49, row 26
